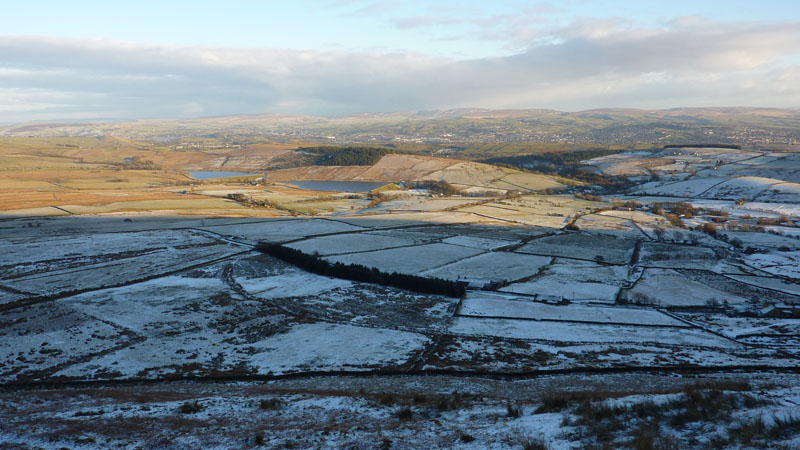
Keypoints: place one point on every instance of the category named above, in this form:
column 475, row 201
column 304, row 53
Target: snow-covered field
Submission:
column 433, row 205
column 688, row 188
column 410, row 260
column 43, row 337
column 750, row 188
column 353, row 243
column 600, row 247
column 740, row 328
column 283, row 230
column 496, row 266
column 53, row 266
column 478, row 242
column 666, row 287
column 769, row 283
column 656, row 254
column 782, row 263
column 331, row 347
column 59, row 251
column 202, row 296
column 764, row 240
column 600, row 313
column 781, row 193
column 125, row 332
column 156, row 300
column 586, row 333
column 790, row 209
column 575, row 280
column 492, row 305
column 521, row 215
column 555, row 287
column 295, row 283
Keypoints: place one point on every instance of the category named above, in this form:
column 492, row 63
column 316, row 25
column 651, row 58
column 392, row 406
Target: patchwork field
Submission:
column 145, row 287
column 123, row 297
column 492, row 305
column 409, row 259
column 575, row 280
column 601, row 248
column 496, row 266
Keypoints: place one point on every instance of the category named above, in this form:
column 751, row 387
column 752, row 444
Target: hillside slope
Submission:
column 422, row 168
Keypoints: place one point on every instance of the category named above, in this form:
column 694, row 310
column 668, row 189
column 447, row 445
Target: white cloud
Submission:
column 686, row 62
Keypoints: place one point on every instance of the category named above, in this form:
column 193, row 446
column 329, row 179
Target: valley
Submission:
column 685, row 266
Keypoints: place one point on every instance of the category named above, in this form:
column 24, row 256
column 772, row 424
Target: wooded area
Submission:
column 357, row 272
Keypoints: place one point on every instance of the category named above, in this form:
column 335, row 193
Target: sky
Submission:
column 88, row 60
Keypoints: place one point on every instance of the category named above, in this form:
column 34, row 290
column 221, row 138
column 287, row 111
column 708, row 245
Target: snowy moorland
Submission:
column 664, row 315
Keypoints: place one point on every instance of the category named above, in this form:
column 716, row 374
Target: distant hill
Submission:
column 423, row 168
column 461, row 127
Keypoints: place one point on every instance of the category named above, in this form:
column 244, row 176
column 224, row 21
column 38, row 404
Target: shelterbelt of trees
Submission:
column 330, row 155
column 357, row 272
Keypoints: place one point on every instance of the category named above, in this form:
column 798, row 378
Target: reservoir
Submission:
column 207, row 175
column 338, row 186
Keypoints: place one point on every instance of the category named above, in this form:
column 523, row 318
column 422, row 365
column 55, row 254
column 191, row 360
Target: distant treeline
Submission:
column 357, row 272
column 331, row 155
column 737, row 147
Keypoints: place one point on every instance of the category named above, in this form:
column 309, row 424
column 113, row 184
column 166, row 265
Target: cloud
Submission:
column 374, row 8
column 517, row 30
column 426, row 21
column 590, row 63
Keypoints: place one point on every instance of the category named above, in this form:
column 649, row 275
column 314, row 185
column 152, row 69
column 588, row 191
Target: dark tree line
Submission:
column 440, row 187
column 347, row 156
column 360, row 273
column 550, row 160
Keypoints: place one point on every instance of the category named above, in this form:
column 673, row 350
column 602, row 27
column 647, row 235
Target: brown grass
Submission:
column 24, row 200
